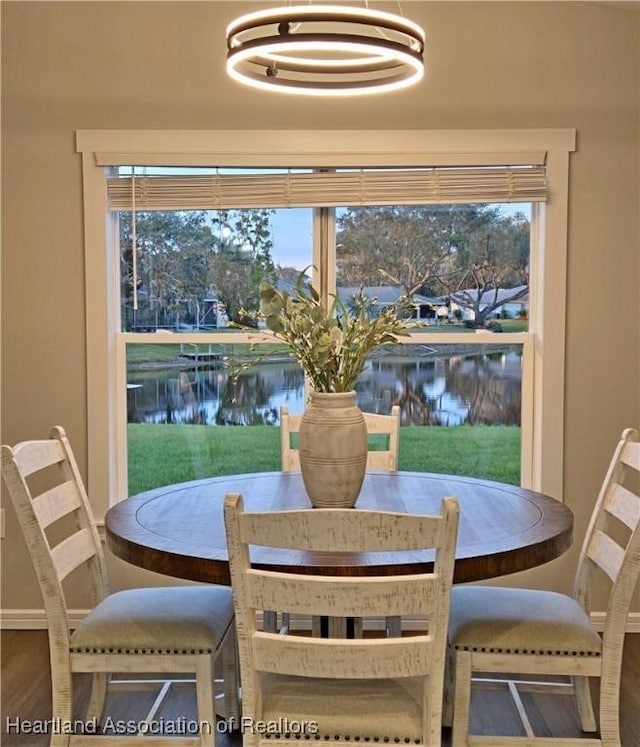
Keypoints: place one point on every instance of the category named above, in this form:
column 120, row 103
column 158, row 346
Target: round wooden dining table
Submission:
column 178, row 530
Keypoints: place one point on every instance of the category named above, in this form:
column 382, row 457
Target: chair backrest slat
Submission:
column 624, row 505
column 33, row 456
column 606, row 553
column 341, row 530
column 351, row 659
column 631, row 455
column 72, row 552
column 343, row 597
column 55, row 503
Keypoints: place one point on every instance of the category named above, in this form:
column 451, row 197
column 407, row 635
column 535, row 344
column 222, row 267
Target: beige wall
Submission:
column 76, row 65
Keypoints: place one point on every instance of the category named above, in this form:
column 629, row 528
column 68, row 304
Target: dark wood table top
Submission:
column 178, row 530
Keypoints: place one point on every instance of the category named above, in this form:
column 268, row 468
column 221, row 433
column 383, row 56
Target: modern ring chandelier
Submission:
column 325, row 50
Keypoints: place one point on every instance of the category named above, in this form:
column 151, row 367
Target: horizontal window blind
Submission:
column 329, row 188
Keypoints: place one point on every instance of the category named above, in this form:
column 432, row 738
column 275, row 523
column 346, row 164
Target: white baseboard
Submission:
column 632, row 626
column 35, row 619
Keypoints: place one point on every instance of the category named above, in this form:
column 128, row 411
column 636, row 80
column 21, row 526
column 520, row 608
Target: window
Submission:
column 333, row 208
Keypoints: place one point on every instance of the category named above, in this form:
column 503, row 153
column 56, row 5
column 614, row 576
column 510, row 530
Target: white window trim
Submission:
column 542, row 454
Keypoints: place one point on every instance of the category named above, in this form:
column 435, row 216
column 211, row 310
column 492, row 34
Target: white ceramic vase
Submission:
column 333, row 449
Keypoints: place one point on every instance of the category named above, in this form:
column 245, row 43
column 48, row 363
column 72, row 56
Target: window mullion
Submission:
column 324, row 252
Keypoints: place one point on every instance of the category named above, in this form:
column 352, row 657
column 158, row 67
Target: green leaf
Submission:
column 274, row 323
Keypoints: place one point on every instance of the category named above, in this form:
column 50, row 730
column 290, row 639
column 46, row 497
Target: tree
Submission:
column 470, row 250
column 413, row 247
column 173, row 250
column 287, row 274
column 494, row 261
column 242, row 259
column 183, row 257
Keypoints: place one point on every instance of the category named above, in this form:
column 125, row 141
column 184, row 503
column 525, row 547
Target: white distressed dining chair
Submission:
column 381, row 427
column 537, row 632
column 340, row 690
column 181, row 630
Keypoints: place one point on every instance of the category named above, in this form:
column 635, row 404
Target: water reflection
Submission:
column 455, row 390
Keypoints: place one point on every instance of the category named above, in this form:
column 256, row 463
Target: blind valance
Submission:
column 329, row 188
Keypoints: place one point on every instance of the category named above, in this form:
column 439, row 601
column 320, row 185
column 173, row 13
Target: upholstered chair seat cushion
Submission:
column 181, row 619
column 384, row 710
column 520, row 621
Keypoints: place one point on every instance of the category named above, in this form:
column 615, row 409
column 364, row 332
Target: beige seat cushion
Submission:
column 520, row 621
column 182, row 619
column 384, row 710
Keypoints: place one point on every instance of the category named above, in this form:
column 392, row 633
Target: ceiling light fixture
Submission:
column 325, row 50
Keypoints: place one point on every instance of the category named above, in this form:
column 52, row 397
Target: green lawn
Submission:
column 165, row 454
column 169, row 353
column 514, row 325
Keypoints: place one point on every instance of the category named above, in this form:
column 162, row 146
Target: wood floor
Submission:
column 26, row 693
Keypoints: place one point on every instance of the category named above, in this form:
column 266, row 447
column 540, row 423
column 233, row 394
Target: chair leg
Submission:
column 610, row 708
column 462, row 698
column 316, row 626
column 584, row 704
column 285, row 623
column 358, row 627
column 337, row 627
column 61, row 691
column 205, row 672
column 394, row 626
column 97, row 698
column 447, row 697
column 433, row 735
column 60, row 740
column 230, row 679
column 270, row 621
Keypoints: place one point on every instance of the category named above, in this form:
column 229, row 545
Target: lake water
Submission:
column 430, row 389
